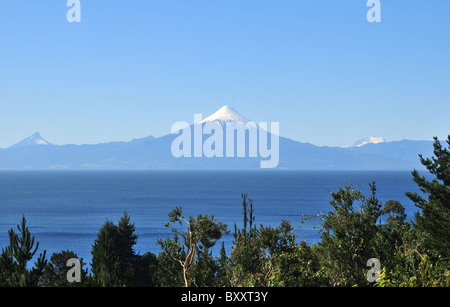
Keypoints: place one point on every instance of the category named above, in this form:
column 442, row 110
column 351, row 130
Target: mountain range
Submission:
column 150, row 153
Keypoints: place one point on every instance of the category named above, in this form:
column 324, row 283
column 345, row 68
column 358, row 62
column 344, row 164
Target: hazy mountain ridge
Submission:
column 154, row 153
column 150, row 153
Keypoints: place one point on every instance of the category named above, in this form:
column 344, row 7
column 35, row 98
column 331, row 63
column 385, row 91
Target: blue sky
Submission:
column 133, row 68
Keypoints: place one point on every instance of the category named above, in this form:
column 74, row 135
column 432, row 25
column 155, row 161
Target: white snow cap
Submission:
column 36, row 139
column 33, row 140
column 226, row 114
column 369, row 140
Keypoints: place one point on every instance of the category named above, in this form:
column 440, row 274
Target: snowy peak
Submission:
column 33, row 140
column 369, row 140
column 226, row 114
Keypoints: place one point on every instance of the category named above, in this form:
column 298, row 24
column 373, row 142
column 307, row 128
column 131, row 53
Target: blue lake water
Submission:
column 65, row 210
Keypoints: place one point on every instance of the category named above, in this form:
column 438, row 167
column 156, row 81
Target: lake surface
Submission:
column 65, row 210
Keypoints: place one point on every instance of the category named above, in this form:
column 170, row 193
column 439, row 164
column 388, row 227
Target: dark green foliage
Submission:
column 143, row 274
column 396, row 213
column 223, row 268
column 434, row 220
column 113, row 257
column 258, row 254
column 14, row 259
column 300, row 267
column 55, row 274
column 246, row 258
column 421, row 255
column 166, row 271
column 202, row 233
column 350, row 236
column 105, row 261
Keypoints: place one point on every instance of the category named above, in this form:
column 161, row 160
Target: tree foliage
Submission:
column 202, row 233
column 56, row 270
column 113, row 257
column 14, row 259
column 434, row 219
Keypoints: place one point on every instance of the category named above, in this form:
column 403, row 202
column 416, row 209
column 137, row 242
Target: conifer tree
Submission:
column 435, row 218
column 14, row 259
column 105, row 261
column 246, row 255
column 113, row 257
column 127, row 239
column 56, row 270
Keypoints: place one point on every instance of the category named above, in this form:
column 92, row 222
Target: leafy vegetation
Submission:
column 411, row 253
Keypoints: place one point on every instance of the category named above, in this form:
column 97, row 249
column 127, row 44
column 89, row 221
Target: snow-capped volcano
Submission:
column 369, row 140
column 226, row 114
column 33, row 140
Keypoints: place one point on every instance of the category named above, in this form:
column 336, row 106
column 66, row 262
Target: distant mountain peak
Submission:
column 33, row 140
column 226, row 114
column 369, row 140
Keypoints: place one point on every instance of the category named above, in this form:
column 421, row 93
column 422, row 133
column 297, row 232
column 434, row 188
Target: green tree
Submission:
column 14, row 259
column 435, row 218
column 409, row 266
column 105, row 261
column 300, row 267
column 124, row 245
column 202, row 233
column 143, row 270
column 166, row 271
column 396, row 213
column 421, row 254
column 246, row 255
column 350, row 236
column 223, row 268
column 270, row 256
column 113, row 257
column 55, row 274
column 395, row 227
